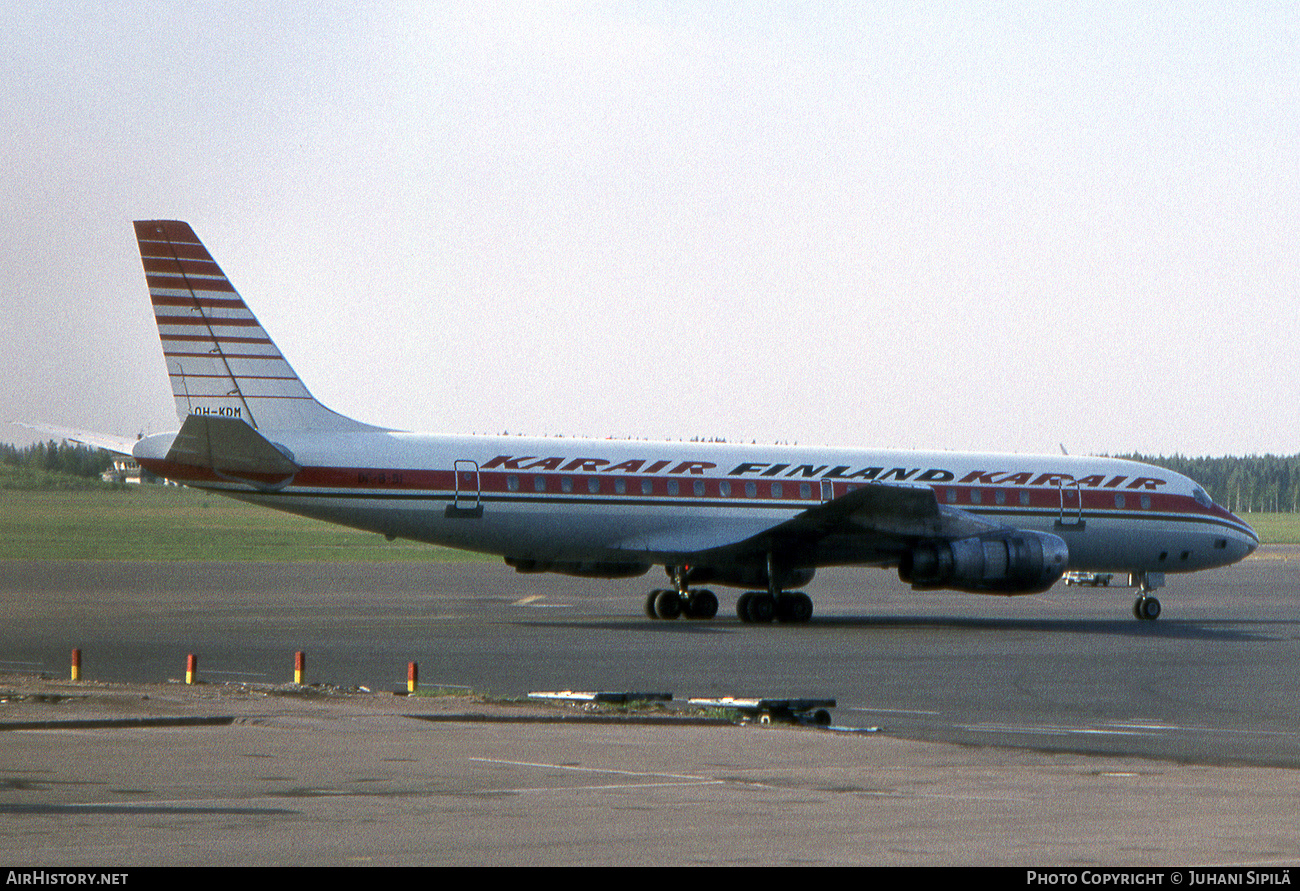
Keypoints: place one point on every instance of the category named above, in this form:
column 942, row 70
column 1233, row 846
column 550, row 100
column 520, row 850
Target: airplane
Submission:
column 762, row 518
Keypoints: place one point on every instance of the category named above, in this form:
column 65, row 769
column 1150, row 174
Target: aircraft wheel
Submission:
column 742, row 606
column 668, row 604
column 703, row 604
column 650, row 604
column 795, row 607
column 760, row 608
column 1147, row 608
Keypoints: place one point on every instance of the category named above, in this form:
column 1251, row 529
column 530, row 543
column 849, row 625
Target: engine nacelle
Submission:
column 588, row 569
column 1011, row 562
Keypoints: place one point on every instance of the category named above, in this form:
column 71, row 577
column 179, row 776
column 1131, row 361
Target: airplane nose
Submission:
column 1249, row 537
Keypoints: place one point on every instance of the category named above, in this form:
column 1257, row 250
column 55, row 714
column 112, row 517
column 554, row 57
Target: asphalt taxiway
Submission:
column 323, row 778
column 1051, row 729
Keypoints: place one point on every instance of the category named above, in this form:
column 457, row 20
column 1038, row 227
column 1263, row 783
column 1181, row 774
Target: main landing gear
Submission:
column 787, row 606
column 1146, row 608
column 753, row 607
column 793, row 607
column 665, row 603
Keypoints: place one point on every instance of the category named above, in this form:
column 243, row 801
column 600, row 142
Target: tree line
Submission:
column 1255, row 483
column 73, row 459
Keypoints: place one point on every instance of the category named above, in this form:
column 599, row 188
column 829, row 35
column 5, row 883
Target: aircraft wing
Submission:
column 871, row 523
column 896, row 511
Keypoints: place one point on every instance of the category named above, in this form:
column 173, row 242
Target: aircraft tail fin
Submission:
column 220, row 360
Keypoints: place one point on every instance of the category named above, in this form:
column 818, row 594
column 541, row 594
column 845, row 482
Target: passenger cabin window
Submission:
column 751, row 489
column 698, row 486
column 512, row 483
column 673, row 488
column 724, row 488
column 566, row 484
column 776, row 490
column 539, row 483
column 593, row 485
column 647, row 487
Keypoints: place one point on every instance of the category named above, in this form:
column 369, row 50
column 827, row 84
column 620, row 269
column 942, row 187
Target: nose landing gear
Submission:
column 1146, row 608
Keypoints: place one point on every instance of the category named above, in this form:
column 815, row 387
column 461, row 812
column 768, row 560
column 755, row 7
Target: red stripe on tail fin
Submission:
column 214, row 372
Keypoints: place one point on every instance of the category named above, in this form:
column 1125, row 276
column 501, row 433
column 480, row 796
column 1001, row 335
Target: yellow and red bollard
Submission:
column 299, row 666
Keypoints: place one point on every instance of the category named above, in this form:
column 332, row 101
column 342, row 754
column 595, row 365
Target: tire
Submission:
column 794, row 608
column 761, row 609
column 668, row 604
column 742, row 606
column 702, row 605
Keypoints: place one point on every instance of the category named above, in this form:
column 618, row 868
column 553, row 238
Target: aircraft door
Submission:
column 1071, row 516
column 468, row 501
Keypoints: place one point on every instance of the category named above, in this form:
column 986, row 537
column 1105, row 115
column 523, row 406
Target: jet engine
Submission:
column 1005, row 562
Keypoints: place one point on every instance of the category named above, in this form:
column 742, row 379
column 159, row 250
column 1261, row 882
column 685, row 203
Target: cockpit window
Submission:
column 1199, row 494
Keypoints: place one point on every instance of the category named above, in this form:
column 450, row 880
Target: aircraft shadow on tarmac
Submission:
column 1169, row 629
column 38, row 809
column 1165, row 629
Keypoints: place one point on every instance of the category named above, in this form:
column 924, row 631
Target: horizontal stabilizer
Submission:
column 232, row 450
column 109, row 442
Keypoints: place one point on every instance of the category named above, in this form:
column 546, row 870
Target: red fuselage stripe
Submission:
column 442, row 484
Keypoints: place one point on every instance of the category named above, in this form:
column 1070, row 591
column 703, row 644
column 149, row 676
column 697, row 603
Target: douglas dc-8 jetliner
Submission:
column 757, row 517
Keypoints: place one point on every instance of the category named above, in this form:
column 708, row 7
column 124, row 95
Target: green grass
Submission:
column 12, row 477
column 171, row 523
column 1275, row 528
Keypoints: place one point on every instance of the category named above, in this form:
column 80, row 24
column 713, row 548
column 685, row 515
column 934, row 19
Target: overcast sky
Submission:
column 971, row 226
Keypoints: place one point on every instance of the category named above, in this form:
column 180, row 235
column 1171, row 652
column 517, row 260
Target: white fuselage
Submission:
column 558, row 499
